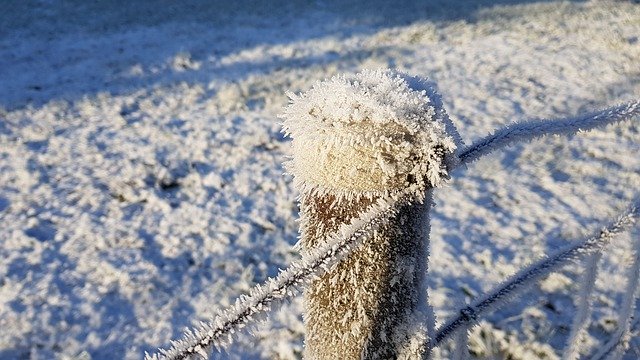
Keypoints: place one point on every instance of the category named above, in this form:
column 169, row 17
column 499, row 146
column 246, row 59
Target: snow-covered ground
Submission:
column 141, row 184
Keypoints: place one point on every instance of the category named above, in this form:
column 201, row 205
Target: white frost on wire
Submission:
column 530, row 130
column 615, row 348
column 219, row 332
column 583, row 314
column 526, row 277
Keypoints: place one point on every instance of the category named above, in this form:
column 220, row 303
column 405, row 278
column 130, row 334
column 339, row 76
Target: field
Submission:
column 141, row 177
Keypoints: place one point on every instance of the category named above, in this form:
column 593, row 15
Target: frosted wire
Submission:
column 218, row 333
column 530, row 130
column 527, row 276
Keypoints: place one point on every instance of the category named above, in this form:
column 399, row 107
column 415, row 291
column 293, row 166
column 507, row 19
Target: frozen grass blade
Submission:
column 219, row 332
column 615, row 348
column 530, row 130
column 581, row 320
column 526, row 277
column 460, row 344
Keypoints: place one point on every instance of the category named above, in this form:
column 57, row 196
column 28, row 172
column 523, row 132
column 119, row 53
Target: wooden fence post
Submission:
column 356, row 139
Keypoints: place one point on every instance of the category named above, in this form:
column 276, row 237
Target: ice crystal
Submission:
column 372, row 132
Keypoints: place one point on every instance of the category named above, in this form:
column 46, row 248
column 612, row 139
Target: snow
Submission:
column 141, row 185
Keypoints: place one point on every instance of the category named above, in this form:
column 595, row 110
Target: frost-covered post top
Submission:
column 375, row 132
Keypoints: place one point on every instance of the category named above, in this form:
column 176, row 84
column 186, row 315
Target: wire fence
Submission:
column 219, row 332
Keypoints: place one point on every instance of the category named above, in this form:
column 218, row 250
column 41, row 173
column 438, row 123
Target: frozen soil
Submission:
column 141, row 177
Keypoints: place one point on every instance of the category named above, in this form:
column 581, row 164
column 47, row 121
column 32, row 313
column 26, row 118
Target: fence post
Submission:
column 354, row 140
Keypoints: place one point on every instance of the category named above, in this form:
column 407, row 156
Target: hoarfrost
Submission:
column 393, row 124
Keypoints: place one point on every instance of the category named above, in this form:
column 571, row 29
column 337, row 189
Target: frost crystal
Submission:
column 373, row 132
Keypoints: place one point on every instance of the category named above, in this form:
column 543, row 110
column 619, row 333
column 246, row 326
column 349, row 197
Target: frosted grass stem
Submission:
column 614, row 349
column 581, row 320
column 460, row 344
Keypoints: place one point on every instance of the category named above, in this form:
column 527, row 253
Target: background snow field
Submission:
column 141, row 185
